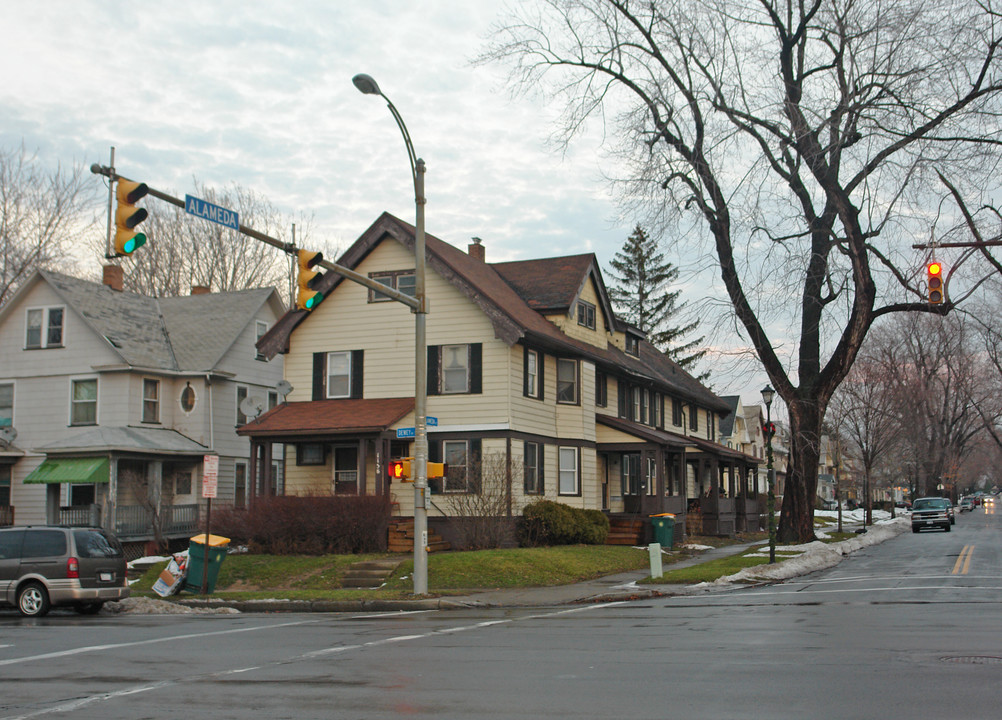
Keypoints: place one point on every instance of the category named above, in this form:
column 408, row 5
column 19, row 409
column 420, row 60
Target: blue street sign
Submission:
column 405, row 432
column 208, row 211
column 433, row 421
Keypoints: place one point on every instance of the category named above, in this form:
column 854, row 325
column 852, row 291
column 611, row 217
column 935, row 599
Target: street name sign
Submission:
column 208, row 211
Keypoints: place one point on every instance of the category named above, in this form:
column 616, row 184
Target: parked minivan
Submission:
column 46, row 566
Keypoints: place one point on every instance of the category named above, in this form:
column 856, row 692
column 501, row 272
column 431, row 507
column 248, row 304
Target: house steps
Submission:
column 401, row 537
column 625, row 531
column 370, row 574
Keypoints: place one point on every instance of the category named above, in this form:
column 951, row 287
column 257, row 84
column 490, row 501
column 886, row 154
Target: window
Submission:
column 533, row 385
column 404, row 281
column 532, row 460
column 338, row 374
column 6, row 404
column 652, row 476
column 601, row 389
column 83, row 402
column 457, row 457
column 182, row 482
column 151, row 401
column 240, row 485
column 81, row 495
column 586, row 314
column 630, row 474
column 455, row 369
column 241, row 396
column 5, row 473
column 693, row 417
column 568, row 471
column 188, row 398
column 644, row 399
column 676, row 412
column 272, row 398
column 632, row 345
column 44, row 328
column 635, row 394
column 567, row 381
column 262, row 328
column 655, row 409
column 310, row 454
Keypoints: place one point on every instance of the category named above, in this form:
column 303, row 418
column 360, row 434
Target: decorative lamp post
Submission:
column 368, row 86
column 769, row 430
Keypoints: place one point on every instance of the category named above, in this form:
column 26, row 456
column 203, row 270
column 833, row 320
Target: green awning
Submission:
column 70, row 470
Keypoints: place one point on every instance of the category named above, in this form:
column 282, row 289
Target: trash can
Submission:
column 196, row 561
column 664, row 529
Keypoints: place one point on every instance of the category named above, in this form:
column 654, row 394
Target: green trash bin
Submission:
column 664, row 529
column 196, row 561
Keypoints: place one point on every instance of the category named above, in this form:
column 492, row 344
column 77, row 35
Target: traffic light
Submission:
column 128, row 216
column 437, row 470
column 934, row 280
column 307, row 279
column 400, row 469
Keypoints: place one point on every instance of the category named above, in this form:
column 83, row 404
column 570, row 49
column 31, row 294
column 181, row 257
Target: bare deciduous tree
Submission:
column 809, row 140
column 42, row 213
column 484, row 519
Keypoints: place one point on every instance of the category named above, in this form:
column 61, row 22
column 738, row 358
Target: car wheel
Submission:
column 915, row 528
column 33, row 600
column 947, row 528
column 92, row 608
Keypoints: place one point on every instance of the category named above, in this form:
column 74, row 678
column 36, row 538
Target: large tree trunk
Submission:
column 796, row 524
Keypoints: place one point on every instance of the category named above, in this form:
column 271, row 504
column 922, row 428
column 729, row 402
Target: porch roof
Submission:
column 70, row 470
column 157, row 441
column 643, row 433
column 713, row 448
column 329, row 417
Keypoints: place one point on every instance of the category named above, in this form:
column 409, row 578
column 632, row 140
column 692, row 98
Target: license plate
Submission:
column 105, row 577
column 929, row 522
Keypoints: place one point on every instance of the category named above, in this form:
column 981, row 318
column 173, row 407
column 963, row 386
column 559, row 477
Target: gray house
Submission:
column 110, row 401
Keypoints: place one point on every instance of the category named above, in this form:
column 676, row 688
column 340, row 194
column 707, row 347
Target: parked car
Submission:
column 966, row 505
column 46, row 566
column 931, row 512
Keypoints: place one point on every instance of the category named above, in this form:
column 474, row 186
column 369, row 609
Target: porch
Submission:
column 134, row 522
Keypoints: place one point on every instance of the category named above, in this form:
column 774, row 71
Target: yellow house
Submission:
column 538, row 389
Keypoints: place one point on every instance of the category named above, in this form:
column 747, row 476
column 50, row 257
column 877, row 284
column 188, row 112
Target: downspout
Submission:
column 212, row 424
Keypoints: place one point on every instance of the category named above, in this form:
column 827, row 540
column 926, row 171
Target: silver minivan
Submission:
column 46, row 566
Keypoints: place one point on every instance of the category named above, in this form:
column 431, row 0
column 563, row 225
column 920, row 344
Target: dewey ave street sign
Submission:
column 208, row 211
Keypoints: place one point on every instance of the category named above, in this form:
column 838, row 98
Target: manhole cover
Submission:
column 973, row 659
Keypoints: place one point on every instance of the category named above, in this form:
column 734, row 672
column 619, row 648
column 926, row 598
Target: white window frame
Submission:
column 392, row 280
column 446, row 372
column 154, row 400
column 575, row 383
column 586, row 314
column 73, row 403
column 567, row 472
column 532, row 373
column 261, row 327
column 244, row 390
column 450, row 479
column 45, row 329
column 530, row 462
column 346, row 375
column 13, row 396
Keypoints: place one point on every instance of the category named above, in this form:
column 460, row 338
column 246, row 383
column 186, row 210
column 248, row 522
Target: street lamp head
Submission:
column 366, row 84
column 767, row 395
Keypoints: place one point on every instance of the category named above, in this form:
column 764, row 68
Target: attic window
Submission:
column 402, row 280
column 633, row 345
column 586, row 314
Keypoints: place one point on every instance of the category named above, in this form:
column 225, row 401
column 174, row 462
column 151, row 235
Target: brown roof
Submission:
column 548, row 283
column 329, row 417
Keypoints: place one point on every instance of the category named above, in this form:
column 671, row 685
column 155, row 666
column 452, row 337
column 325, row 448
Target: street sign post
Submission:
column 210, row 483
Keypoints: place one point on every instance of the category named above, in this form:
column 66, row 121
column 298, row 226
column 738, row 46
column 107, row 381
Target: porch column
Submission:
column 252, row 474
column 266, row 474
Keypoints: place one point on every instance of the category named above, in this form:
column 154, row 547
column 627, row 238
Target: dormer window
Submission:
column 632, row 345
column 402, row 280
column 44, row 328
column 586, row 314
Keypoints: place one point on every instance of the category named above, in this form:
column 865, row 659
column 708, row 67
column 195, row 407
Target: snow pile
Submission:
column 152, row 606
column 817, row 555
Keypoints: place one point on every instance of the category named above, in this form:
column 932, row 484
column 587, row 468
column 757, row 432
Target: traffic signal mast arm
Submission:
column 289, row 248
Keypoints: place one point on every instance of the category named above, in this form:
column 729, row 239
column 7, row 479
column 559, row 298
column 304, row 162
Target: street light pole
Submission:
column 368, row 86
column 767, row 395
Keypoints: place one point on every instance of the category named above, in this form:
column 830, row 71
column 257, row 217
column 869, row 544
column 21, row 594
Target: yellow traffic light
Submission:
column 128, row 216
column 307, row 279
column 437, row 470
column 934, row 279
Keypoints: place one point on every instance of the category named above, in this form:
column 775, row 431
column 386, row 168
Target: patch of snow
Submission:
column 152, row 606
column 693, row 546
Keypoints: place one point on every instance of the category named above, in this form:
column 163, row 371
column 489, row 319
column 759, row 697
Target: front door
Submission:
column 652, row 486
column 345, row 470
column 629, row 465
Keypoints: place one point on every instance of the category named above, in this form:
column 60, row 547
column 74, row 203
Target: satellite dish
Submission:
column 284, row 387
column 252, row 406
column 7, row 435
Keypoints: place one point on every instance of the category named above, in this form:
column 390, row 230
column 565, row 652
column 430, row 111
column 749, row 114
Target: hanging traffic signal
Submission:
column 128, row 216
column 307, row 279
column 934, row 280
column 437, row 470
column 400, row 469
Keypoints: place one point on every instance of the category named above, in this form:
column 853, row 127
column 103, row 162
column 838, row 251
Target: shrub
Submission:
column 545, row 522
column 310, row 525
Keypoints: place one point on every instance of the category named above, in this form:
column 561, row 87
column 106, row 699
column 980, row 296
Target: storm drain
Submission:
column 972, row 659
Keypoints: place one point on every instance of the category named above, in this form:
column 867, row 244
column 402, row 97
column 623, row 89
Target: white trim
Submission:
column 97, row 400
column 44, row 330
column 13, row 399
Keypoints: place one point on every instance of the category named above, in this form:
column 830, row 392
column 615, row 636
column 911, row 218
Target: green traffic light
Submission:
column 133, row 244
column 314, row 301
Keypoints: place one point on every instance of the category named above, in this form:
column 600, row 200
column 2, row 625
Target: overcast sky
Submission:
column 260, row 94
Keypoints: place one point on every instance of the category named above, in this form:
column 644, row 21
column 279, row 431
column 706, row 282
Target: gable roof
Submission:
column 507, row 300
column 182, row 334
column 327, row 417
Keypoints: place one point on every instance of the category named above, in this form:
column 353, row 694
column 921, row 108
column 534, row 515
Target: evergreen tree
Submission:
column 642, row 297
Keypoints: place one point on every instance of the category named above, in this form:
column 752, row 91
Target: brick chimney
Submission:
column 114, row 277
column 476, row 250
column 200, row 290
